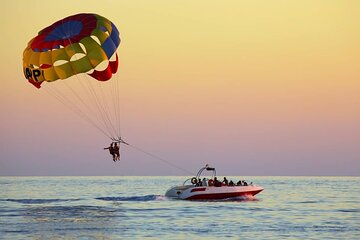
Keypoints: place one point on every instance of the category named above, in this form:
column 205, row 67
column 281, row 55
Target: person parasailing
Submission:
column 117, row 152
column 114, row 148
column 112, row 151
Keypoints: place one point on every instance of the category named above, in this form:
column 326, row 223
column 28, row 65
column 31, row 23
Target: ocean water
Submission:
column 136, row 208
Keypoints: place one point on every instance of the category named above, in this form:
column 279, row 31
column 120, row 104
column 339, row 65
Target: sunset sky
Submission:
column 250, row 87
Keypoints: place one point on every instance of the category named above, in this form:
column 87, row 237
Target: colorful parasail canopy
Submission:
column 73, row 45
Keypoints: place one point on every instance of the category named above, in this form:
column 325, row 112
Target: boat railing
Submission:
column 207, row 168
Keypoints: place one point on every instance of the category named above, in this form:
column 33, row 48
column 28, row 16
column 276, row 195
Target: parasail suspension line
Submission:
column 158, row 158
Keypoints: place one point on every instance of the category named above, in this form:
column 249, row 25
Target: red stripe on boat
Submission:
column 198, row 189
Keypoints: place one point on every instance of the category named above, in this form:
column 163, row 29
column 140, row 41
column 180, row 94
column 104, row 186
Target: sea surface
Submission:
column 136, row 208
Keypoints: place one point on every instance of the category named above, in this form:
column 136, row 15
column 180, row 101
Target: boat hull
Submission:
column 212, row 193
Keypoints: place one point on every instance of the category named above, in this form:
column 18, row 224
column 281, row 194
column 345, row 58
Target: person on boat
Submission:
column 239, row 183
column 225, row 181
column 111, row 151
column 204, row 182
column 217, row 183
column 117, row 152
column 198, row 183
column 231, row 183
column 210, row 183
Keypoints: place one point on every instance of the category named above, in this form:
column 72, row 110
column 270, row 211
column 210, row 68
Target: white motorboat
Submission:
column 209, row 188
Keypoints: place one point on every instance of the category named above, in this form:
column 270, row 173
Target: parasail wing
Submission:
column 73, row 45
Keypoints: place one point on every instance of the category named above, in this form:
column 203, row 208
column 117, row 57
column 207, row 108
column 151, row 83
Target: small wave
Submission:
column 307, row 202
column 5, row 183
column 134, row 198
column 349, row 210
column 38, row 201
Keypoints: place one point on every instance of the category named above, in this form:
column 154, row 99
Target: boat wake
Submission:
column 145, row 198
column 38, row 201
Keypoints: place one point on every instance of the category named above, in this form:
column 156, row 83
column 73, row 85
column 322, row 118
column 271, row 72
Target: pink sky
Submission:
column 252, row 88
